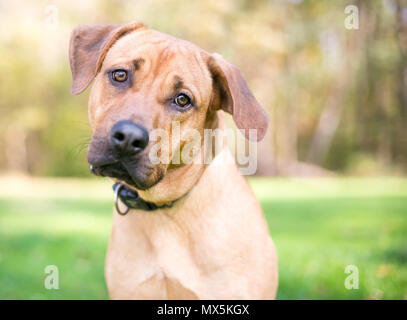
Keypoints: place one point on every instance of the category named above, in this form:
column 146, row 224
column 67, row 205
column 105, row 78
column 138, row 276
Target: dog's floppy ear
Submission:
column 232, row 94
column 87, row 49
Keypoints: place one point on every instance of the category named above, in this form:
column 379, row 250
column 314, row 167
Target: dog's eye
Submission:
column 119, row 75
column 182, row 100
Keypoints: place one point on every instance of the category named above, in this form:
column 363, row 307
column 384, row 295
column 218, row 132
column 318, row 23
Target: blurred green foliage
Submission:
column 319, row 227
column 337, row 101
column 337, row 98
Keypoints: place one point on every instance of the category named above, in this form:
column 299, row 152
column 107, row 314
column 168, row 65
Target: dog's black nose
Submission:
column 128, row 138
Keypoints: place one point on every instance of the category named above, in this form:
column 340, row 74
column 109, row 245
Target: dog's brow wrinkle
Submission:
column 137, row 63
column 178, row 83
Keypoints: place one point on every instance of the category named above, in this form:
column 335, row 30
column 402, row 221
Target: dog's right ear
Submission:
column 87, row 49
column 232, row 94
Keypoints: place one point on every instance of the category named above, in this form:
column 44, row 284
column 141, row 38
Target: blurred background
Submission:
column 331, row 170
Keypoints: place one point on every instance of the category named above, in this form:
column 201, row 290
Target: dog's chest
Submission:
column 153, row 265
column 157, row 284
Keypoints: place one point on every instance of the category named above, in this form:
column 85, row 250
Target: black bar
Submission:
column 204, row 309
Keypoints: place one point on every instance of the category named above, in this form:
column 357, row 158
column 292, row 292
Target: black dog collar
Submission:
column 132, row 200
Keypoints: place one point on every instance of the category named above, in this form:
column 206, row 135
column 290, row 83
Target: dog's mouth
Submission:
column 113, row 170
column 136, row 175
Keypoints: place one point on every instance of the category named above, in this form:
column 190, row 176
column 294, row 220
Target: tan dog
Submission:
column 213, row 243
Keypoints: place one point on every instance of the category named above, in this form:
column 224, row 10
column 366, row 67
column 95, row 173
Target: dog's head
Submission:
column 144, row 81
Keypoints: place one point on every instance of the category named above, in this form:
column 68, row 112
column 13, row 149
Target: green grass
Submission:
column 319, row 226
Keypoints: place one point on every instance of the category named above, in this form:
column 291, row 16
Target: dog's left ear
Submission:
column 232, row 94
column 87, row 49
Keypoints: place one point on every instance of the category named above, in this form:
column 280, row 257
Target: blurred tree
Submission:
column 337, row 98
